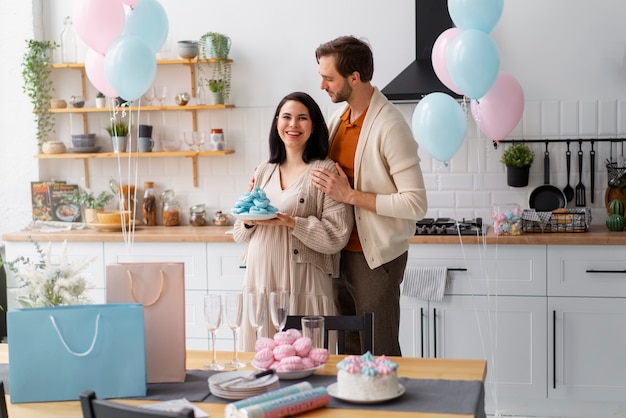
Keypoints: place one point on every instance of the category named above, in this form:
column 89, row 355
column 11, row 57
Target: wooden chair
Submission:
column 100, row 408
column 342, row 323
column 3, row 402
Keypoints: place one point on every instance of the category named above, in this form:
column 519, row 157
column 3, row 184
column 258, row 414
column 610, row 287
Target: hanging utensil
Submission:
column 592, row 166
column 568, row 189
column 580, row 187
column 546, row 198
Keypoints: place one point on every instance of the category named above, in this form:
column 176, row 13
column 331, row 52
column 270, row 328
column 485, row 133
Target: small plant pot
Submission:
column 217, row 98
column 118, row 143
column 101, row 102
column 517, row 176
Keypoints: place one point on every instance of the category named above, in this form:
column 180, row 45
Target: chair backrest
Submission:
column 342, row 323
column 100, row 408
column 3, row 402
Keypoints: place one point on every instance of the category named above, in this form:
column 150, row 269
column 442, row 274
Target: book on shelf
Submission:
column 63, row 210
column 40, row 197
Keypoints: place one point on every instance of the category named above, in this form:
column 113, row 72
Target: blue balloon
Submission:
column 481, row 15
column 148, row 20
column 130, row 66
column 473, row 62
column 439, row 125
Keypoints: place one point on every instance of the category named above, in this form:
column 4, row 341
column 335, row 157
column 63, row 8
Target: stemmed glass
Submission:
column 213, row 319
column 149, row 95
column 233, row 308
column 256, row 311
column 279, row 308
column 160, row 94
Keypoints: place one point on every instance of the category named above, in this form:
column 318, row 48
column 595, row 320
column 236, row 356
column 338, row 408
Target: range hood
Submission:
column 419, row 79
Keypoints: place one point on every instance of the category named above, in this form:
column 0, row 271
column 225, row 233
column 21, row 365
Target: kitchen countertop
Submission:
column 596, row 235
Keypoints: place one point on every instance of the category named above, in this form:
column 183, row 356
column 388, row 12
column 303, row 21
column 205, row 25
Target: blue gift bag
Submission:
column 58, row 352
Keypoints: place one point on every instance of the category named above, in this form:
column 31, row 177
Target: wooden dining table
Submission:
column 416, row 368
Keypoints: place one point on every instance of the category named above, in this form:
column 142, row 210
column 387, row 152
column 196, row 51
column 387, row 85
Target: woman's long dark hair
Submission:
column 316, row 147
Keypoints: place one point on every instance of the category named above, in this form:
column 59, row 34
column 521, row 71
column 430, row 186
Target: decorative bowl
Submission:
column 58, row 104
column 170, row 144
column 113, row 217
column 84, row 140
column 187, row 49
column 53, row 147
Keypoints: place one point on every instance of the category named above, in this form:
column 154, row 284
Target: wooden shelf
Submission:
column 143, row 108
column 193, row 155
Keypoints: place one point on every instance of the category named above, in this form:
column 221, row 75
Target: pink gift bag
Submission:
column 160, row 288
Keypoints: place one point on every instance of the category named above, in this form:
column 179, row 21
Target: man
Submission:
column 379, row 174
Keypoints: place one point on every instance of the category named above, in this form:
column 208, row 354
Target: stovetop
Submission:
column 449, row 226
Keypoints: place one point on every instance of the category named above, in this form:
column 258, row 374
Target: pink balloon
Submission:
column 439, row 58
column 94, row 67
column 499, row 111
column 99, row 22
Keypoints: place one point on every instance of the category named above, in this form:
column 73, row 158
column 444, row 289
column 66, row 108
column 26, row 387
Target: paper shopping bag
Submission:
column 160, row 287
column 58, row 352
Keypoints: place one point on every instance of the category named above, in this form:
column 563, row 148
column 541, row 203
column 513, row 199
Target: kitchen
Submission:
column 571, row 70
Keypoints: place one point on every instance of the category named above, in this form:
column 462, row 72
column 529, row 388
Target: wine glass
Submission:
column 279, row 308
column 256, row 311
column 213, row 319
column 160, row 93
column 190, row 140
column 233, row 309
column 149, row 95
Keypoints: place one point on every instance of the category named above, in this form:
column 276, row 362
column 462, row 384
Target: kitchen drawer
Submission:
column 587, row 270
column 226, row 272
column 192, row 254
column 486, row 270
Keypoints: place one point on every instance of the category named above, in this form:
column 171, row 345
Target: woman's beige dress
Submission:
column 269, row 267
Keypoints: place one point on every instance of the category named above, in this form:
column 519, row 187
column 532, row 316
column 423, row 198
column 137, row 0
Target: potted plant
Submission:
column 214, row 48
column 91, row 203
column 100, row 100
column 38, row 85
column 118, row 130
column 518, row 158
column 217, row 88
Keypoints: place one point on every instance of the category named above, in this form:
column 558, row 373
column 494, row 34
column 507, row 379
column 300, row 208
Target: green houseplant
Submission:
column 91, row 203
column 518, row 158
column 118, row 130
column 217, row 88
column 214, row 48
column 38, row 86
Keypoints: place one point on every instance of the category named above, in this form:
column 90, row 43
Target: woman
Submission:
column 298, row 251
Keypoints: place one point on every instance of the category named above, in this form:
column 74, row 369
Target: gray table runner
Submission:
column 422, row 395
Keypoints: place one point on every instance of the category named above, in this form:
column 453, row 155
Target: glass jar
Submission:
column 149, row 207
column 127, row 199
column 197, row 215
column 506, row 219
column 170, row 210
column 220, row 219
column 217, row 141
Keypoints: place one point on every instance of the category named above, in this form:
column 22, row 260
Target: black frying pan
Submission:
column 546, row 197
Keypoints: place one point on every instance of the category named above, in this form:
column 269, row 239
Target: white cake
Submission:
column 365, row 377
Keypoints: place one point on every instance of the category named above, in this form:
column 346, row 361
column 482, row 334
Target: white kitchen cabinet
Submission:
column 494, row 308
column 587, row 313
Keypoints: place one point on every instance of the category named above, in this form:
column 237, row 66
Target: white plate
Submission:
column 332, row 391
column 253, row 217
column 296, row 374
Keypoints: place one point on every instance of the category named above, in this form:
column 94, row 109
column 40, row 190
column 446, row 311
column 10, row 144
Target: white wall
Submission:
column 568, row 55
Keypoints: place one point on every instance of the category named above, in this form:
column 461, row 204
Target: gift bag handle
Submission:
column 132, row 290
column 67, row 347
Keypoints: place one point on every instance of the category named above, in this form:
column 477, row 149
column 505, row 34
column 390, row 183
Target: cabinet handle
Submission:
column 435, row 332
column 553, row 349
column 457, row 269
column 606, row 271
column 422, row 329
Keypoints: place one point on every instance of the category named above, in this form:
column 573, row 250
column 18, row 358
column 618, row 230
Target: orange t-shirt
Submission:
column 342, row 150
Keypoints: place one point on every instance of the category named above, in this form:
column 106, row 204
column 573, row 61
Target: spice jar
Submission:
column 170, row 212
column 217, row 142
column 197, row 215
column 127, row 198
column 220, row 219
column 149, row 208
